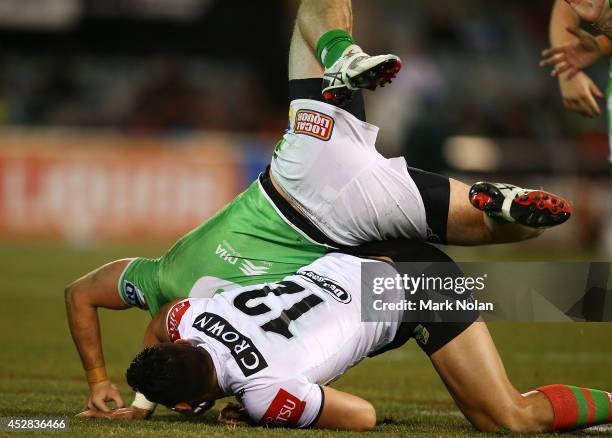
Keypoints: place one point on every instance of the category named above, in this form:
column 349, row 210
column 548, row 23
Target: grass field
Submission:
column 40, row 374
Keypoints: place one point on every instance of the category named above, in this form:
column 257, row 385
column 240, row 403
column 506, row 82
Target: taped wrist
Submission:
column 96, row 375
column 141, row 402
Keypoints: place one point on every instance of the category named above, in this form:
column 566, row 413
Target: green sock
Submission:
column 332, row 44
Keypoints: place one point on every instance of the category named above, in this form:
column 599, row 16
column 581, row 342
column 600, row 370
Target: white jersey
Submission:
column 273, row 345
column 328, row 164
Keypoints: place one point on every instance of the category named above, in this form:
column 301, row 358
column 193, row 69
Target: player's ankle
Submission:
column 332, row 45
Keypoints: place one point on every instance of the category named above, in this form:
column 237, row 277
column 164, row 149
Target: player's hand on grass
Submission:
column 579, row 94
column 233, row 414
column 101, row 393
column 574, row 56
column 130, row 413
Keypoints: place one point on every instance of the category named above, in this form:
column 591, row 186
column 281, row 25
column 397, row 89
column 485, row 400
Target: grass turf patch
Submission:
column 40, row 373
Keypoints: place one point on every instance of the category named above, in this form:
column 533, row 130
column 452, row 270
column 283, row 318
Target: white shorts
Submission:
column 328, row 164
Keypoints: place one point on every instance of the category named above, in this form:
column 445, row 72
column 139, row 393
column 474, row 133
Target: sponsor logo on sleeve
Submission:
column 314, row 124
column 134, row 296
column 337, row 292
column 248, row 358
column 285, row 410
column 174, row 319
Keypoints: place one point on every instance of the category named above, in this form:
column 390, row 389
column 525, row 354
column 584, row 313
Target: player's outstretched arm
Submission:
column 578, row 91
column 83, row 297
column 574, row 56
column 141, row 408
column 344, row 411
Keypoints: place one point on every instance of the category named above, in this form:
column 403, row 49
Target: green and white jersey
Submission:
column 247, row 242
column 345, row 194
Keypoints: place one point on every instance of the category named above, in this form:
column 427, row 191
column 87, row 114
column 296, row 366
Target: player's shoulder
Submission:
column 177, row 314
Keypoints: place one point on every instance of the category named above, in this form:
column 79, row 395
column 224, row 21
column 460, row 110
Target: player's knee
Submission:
column 517, row 419
column 521, row 422
column 366, row 420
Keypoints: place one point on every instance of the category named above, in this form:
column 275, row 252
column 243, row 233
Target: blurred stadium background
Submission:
column 127, row 119
column 124, row 123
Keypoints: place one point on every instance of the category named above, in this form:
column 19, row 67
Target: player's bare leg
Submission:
column 316, row 17
column 596, row 12
column 326, row 26
column 488, row 213
column 474, row 374
column 303, row 63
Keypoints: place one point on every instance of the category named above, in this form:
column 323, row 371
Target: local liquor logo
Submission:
column 314, row 124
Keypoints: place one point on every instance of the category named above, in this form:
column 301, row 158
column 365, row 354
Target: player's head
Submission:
column 172, row 374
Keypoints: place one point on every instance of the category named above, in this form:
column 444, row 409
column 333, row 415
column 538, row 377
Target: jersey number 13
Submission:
column 278, row 325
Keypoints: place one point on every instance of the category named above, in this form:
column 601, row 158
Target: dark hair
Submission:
column 171, row 373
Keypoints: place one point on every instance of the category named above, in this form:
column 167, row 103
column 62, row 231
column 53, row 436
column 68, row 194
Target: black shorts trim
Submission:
column 399, row 250
column 291, row 214
column 440, row 334
column 435, row 192
column 311, row 89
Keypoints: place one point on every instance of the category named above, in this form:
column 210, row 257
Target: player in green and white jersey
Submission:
column 247, row 242
column 327, row 187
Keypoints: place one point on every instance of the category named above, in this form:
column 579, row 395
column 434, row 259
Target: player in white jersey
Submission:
column 278, row 339
column 277, row 347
